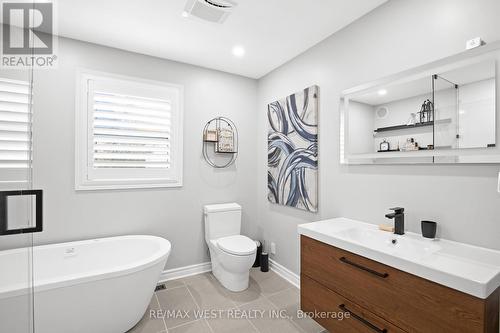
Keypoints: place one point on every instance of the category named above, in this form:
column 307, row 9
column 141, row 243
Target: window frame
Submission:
column 88, row 178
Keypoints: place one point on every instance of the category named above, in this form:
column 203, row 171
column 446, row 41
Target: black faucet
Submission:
column 399, row 220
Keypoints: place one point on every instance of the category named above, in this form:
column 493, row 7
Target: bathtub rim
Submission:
column 157, row 257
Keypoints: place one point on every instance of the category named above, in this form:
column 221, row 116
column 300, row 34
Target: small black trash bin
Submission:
column 264, row 262
column 259, row 252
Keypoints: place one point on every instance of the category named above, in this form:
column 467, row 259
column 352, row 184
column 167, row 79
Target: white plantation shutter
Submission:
column 15, row 125
column 129, row 133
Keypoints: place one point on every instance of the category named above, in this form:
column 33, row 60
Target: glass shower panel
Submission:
column 17, row 217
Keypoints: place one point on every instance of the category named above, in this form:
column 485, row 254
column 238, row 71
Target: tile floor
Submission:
column 270, row 304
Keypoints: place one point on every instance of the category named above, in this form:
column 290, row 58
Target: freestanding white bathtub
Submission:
column 92, row 286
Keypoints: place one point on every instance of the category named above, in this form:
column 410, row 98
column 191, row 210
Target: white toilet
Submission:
column 232, row 254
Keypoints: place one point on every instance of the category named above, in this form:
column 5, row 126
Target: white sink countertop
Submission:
column 471, row 269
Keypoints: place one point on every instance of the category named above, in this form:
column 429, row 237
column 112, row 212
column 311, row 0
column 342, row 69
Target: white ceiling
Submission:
column 271, row 31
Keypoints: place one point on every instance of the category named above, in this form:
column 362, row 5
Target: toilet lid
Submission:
column 237, row 245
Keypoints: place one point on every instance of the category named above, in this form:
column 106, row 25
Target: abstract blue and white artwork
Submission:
column 292, row 151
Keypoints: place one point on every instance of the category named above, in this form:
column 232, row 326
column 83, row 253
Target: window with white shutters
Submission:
column 15, row 128
column 129, row 133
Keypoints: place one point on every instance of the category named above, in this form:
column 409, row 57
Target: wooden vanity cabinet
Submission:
column 380, row 298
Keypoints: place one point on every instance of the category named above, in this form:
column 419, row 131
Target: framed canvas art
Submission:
column 292, row 152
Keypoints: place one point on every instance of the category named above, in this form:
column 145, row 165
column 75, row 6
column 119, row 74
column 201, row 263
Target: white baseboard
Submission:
column 285, row 273
column 180, row 272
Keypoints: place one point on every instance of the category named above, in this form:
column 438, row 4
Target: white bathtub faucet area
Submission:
column 99, row 285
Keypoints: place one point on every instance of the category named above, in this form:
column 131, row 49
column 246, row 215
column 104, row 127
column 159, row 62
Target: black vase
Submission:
column 429, row 229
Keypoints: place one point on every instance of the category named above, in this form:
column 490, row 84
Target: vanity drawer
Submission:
column 409, row 302
column 322, row 300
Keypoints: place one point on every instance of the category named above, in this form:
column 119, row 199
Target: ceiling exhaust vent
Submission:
column 215, row 11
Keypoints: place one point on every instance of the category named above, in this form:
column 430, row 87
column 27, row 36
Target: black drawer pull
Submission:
column 366, row 269
column 361, row 319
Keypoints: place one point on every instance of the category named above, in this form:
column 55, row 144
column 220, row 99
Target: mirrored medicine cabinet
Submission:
column 443, row 112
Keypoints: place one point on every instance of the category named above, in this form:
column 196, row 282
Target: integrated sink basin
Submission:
column 471, row 269
column 405, row 246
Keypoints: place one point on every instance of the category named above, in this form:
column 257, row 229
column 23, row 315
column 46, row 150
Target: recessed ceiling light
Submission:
column 382, row 92
column 185, row 14
column 238, row 51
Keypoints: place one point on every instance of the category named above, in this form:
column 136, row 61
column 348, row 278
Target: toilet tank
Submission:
column 222, row 220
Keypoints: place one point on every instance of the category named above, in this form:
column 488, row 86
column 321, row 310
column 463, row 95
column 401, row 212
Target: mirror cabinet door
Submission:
column 442, row 115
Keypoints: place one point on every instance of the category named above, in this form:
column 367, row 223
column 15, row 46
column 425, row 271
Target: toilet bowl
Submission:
column 232, row 254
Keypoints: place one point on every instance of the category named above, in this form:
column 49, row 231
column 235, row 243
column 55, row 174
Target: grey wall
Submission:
column 176, row 213
column 397, row 36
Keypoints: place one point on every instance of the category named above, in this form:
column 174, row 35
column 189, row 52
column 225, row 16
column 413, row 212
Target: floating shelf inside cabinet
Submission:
column 402, row 127
column 387, row 151
column 417, row 125
column 393, row 150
